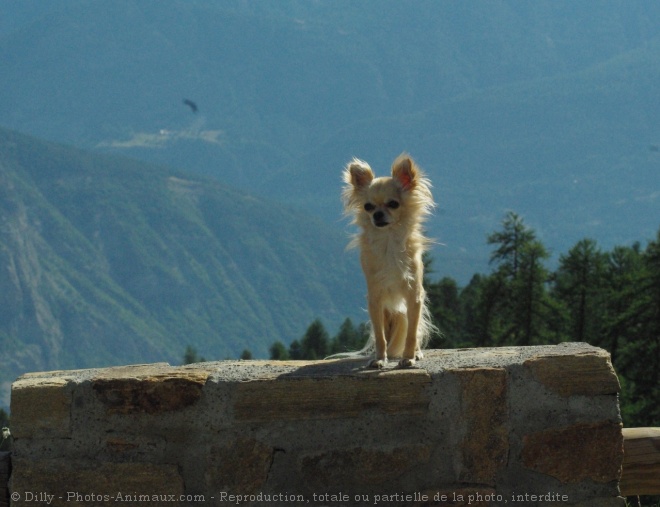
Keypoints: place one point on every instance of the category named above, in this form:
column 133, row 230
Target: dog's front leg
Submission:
column 378, row 328
column 411, row 351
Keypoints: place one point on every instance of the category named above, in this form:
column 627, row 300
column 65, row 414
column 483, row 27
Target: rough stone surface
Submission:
column 150, row 393
column 460, row 497
column 573, row 454
column 467, row 427
column 393, row 391
column 41, row 407
column 86, row 482
column 241, row 466
column 484, row 417
column 589, row 373
column 5, row 470
column 355, row 467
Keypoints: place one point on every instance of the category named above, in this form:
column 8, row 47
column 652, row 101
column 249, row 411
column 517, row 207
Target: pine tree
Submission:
column 579, row 283
column 445, row 308
column 531, row 303
column 621, row 281
column 639, row 359
column 316, row 342
column 482, row 304
column 515, row 305
column 513, row 237
column 278, row 352
column 349, row 338
column 191, row 356
column 295, row 351
column 649, row 345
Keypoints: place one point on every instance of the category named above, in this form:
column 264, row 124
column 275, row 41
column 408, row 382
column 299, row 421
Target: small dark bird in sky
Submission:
column 190, row 104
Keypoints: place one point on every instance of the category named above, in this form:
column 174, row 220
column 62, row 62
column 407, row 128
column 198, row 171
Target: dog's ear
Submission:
column 358, row 173
column 404, row 171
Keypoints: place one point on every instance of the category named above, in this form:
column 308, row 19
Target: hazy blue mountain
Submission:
column 544, row 107
column 548, row 108
column 110, row 261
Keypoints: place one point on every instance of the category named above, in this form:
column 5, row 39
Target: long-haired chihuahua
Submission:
column 390, row 212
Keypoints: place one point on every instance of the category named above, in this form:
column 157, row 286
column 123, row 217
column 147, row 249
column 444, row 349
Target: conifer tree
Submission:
column 579, row 283
column 639, row 357
column 349, row 338
column 278, row 352
column 622, row 272
column 444, row 305
column 316, row 342
column 515, row 302
column 295, row 350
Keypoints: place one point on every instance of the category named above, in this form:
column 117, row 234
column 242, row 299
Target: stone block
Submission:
column 360, row 469
column 460, row 497
column 576, row 453
column 65, row 482
column 470, row 425
column 240, row 466
column 589, row 373
column 393, row 391
column 148, row 390
column 484, row 410
column 41, row 408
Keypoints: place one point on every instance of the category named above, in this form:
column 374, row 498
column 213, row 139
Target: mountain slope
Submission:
column 545, row 107
column 576, row 154
column 107, row 260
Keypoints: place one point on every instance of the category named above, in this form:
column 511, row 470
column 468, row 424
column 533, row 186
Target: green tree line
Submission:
column 317, row 344
column 610, row 299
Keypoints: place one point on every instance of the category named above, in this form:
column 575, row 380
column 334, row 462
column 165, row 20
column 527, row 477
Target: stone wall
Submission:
column 480, row 427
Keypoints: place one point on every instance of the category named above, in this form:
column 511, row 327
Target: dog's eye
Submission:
column 393, row 204
column 369, row 207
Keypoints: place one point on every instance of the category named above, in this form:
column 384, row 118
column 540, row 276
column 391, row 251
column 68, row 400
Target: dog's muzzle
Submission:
column 380, row 220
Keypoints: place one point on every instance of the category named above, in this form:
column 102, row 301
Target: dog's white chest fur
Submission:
column 388, row 267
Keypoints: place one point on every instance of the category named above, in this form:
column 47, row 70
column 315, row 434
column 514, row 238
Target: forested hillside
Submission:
column 607, row 298
column 549, row 108
column 110, row 261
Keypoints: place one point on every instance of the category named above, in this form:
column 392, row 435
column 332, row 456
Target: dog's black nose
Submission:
column 380, row 219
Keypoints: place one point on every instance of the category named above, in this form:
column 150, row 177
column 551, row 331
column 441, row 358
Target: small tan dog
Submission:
column 390, row 212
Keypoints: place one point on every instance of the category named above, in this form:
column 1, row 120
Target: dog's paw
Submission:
column 419, row 355
column 378, row 363
column 406, row 363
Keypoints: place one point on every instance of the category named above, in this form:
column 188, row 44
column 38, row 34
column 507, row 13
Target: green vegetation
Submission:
column 607, row 299
column 316, row 343
column 191, row 356
column 109, row 261
column 549, row 108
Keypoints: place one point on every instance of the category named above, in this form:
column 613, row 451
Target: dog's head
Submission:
column 382, row 202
